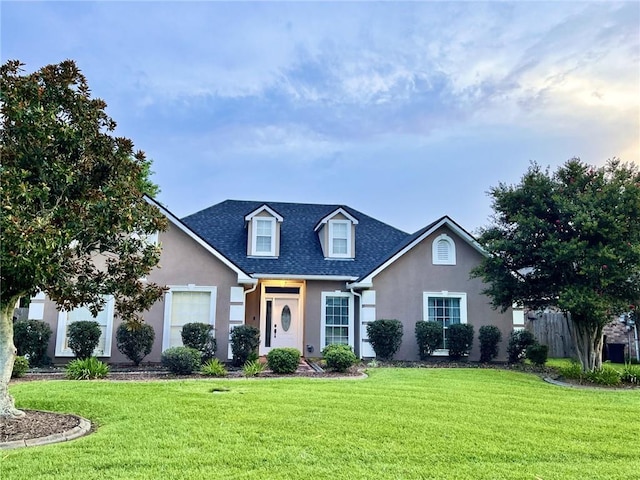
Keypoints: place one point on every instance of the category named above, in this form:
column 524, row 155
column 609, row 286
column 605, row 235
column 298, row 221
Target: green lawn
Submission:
column 398, row 424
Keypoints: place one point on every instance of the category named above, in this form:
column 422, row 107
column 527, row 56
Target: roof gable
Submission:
column 337, row 211
column 264, row 208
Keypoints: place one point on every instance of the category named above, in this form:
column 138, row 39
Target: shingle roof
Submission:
column 224, row 228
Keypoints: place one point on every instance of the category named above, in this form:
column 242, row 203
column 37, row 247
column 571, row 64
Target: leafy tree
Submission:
column 74, row 218
column 569, row 241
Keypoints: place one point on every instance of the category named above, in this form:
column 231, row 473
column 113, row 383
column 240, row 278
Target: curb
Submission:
column 76, row 432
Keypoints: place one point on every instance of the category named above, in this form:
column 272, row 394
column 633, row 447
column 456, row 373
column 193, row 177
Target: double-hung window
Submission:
column 264, row 233
column 337, row 318
column 340, row 238
column 446, row 309
column 186, row 305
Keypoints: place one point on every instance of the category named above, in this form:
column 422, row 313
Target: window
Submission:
column 186, row 305
column 447, row 309
column 104, row 319
column 264, row 237
column 337, row 318
column 340, row 238
column 444, row 250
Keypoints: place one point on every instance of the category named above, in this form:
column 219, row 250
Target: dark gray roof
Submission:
column 223, row 226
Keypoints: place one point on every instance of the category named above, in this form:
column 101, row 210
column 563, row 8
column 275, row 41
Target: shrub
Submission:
column 537, row 353
column 253, row 368
column 385, row 336
column 606, row 375
column 283, row 360
column 31, row 338
column 459, row 340
column 214, row 368
column 631, row 374
column 86, row 369
column 200, row 336
column 519, row 340
column 572, row 371
column 245, row 340
column 135, row 341
column 339, row 357
column 84, row 336
column 181, row 360
column 20, row 367
column 489, row 337
column 429, row 337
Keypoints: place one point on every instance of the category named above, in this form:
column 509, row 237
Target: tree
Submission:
column 74, row 219
column 569, row 241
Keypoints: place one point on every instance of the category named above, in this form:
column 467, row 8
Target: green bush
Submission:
column 572, row 371
column 86, row 369
column 283, row 360
column 253, row 368
column 489, row 337
column 385, row 336
column 31, row 338
column 429, row 337
column 214, row 368
column 135, row 341
column 20, row 367
column 537, row 353
column 200, row 336
column 84, row 336
column 339, row 357
column 181, row 360
column 459, row 340
column 606, row 375
column 245, row 341
column 519, row 340
column 631, row 374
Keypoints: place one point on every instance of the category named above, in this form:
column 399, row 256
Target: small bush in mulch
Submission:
column 181, row 360
column 283, row 360
column 339, row 357
column 20, row 367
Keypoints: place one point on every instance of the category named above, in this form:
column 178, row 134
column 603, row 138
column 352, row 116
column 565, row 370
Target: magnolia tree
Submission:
column 74, row 218
column 568, row 241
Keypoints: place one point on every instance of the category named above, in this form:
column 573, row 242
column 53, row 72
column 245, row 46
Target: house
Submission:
column 306, row 275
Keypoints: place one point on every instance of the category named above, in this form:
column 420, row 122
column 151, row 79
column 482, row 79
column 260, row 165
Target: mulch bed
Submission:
column 36, row 424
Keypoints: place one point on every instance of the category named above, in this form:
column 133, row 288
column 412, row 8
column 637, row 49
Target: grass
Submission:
column 398, row 424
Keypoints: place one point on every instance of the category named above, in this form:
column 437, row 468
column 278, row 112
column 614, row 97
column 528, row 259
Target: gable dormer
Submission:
column 337, row 234
column 263, row 232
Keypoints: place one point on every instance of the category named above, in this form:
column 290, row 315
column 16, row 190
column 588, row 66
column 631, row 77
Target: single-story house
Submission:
column 306, row 275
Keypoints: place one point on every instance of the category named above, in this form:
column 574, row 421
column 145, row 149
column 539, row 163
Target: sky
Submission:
column 406, row 111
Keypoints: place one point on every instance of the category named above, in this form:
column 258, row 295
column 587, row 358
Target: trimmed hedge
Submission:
column 489, row 337
column 519, row 340
column 20, row 367
column 200, row 336
column 181, row 360
column 537, row 353
column 385, row 336
column 84, row 336
column 135, row 341
column 460, row 340
column 429, row 337
column 283, row 360
column 245, row 340
column 339, row 357
column 31, row 338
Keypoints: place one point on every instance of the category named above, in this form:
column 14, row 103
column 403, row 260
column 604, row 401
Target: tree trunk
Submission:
column 7, row 357
column 587, row 339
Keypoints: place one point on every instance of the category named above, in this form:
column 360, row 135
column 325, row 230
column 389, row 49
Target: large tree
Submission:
column 568, row 241
column 74, row 219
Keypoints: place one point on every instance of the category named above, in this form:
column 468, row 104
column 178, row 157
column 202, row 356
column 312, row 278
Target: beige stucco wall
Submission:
column 399, row 292
column 183, row 262
column 313, row 313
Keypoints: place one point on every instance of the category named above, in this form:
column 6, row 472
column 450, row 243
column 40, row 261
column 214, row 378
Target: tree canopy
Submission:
column 569, row 241
column 74, row 218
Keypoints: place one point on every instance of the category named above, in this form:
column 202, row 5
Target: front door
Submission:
column 283, row 326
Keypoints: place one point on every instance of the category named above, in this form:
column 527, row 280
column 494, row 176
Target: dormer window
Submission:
column 340, row 238
column 263, row 238
column 444, row 250
column 336, row 232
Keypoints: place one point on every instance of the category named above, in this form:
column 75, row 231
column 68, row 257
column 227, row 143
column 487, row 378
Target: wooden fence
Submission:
column 551, row 329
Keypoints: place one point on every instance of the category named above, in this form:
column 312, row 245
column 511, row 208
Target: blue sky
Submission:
column 405, row 111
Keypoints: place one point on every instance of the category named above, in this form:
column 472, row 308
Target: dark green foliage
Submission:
column 181, row 360
column 339, row 357
column 135, row 340
column 570, row 241
column 31, row 338
column 606, row 375
column 253, row 368
column 245, row 341
column 537, row 353
column 200, row 336
column 631, row 374
column 429, row 337
column 214, row 368
column 283, row 360
column 86, row 369
column 84, row 336
column 385, row 336
column 460, row 340
column 20, row 367
column 519, row 341
column 489, row 337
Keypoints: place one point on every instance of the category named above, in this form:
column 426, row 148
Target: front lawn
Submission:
column 398, row 424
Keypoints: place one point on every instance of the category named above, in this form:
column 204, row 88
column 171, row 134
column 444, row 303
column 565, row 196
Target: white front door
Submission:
column 285, row 322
